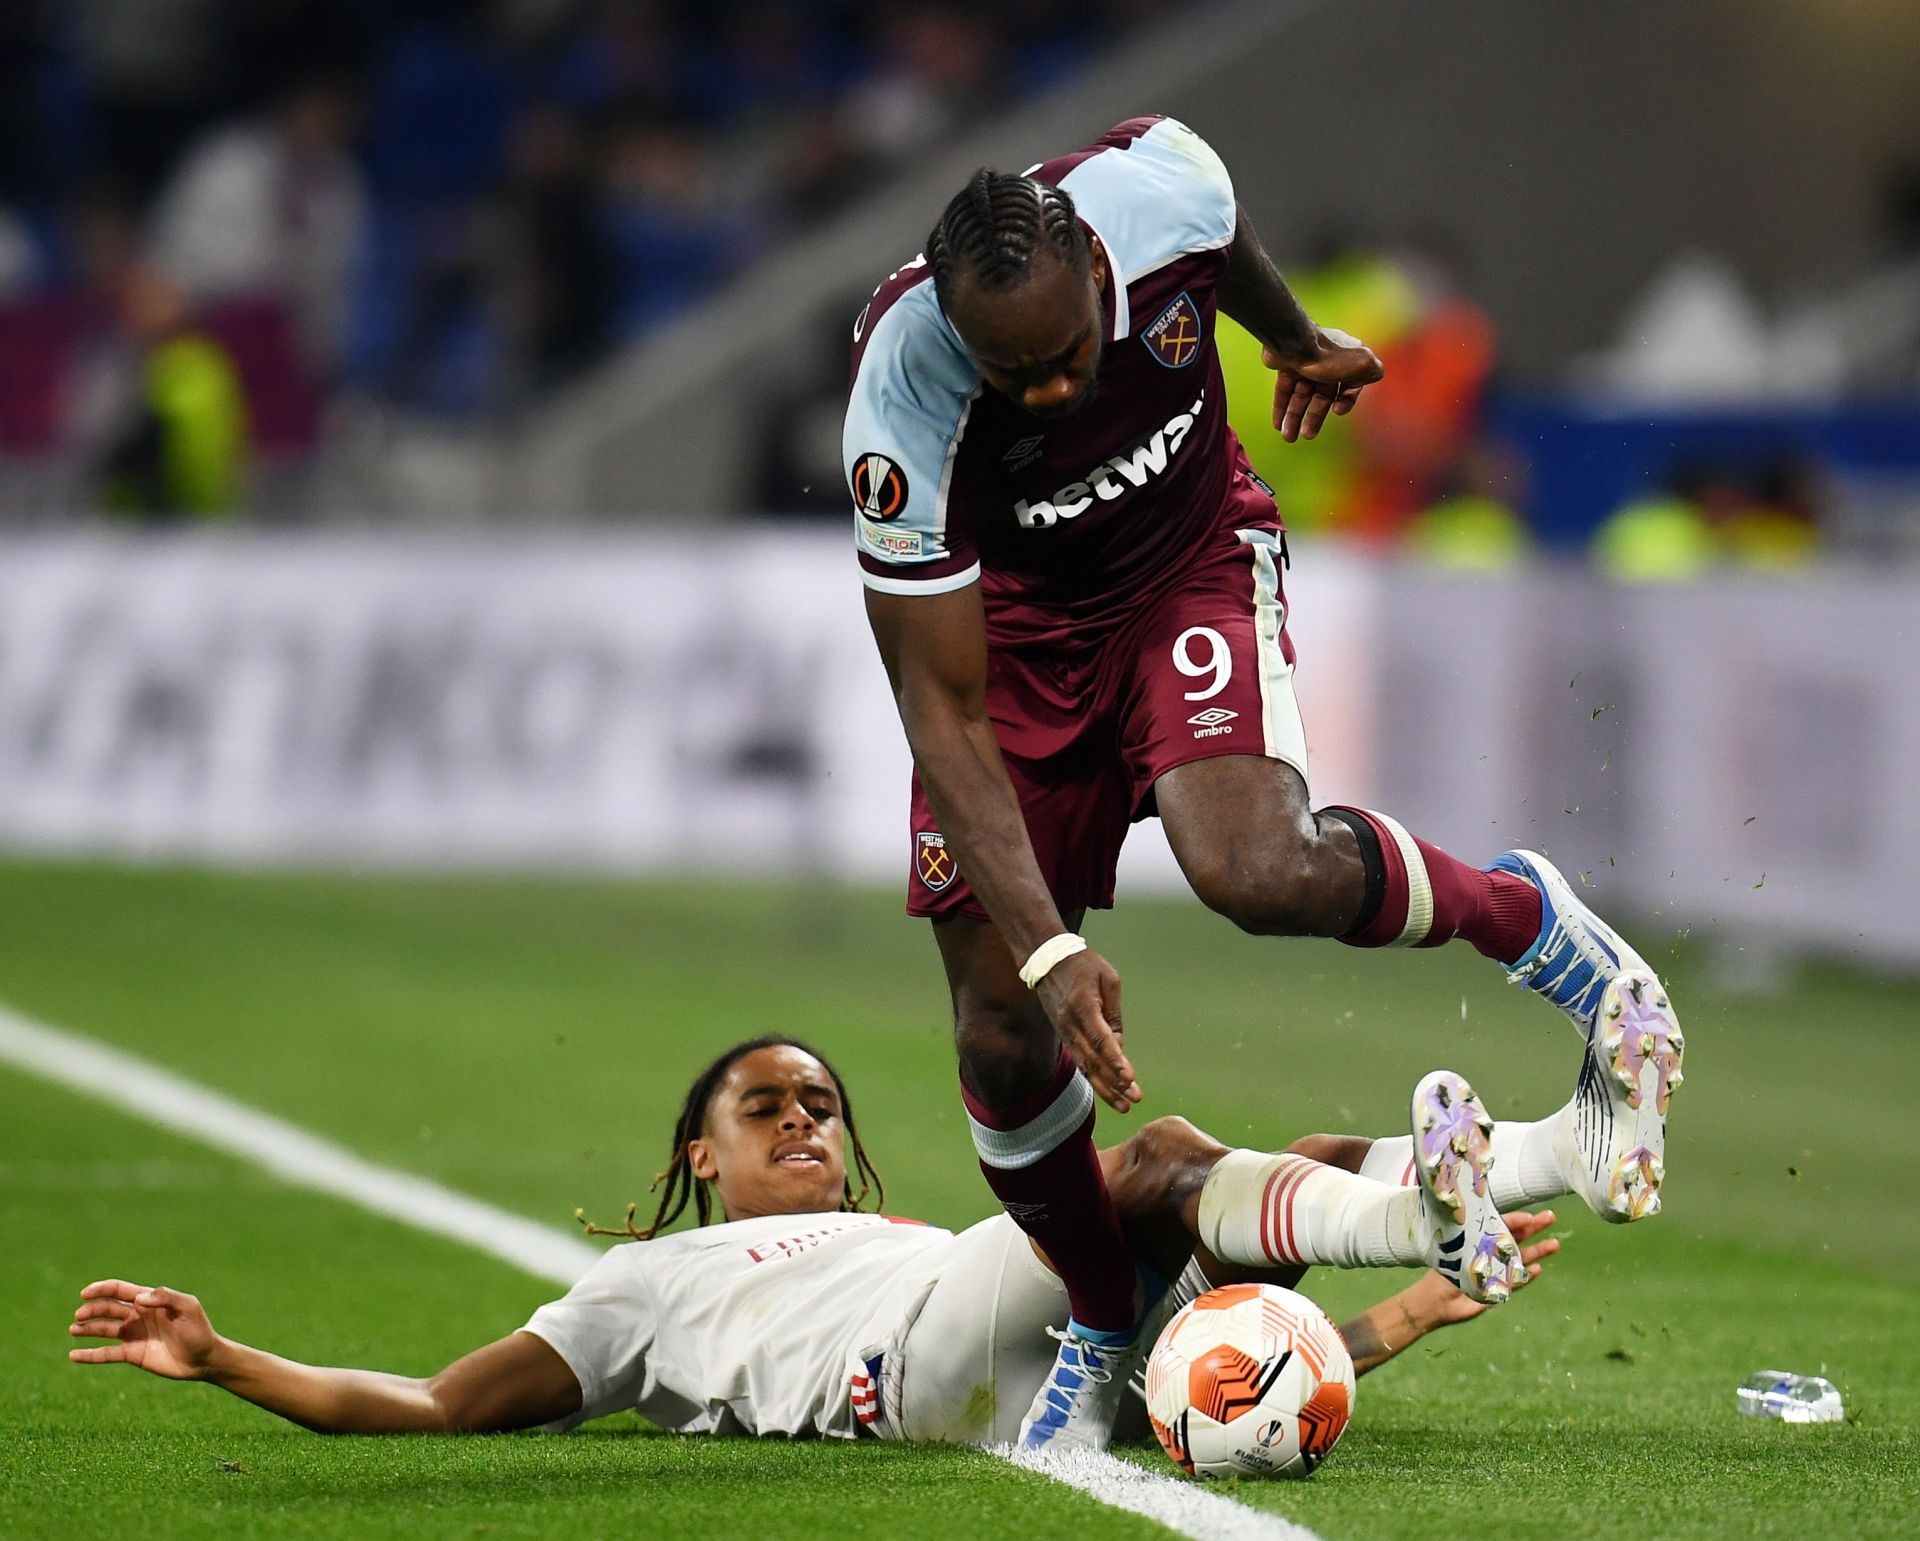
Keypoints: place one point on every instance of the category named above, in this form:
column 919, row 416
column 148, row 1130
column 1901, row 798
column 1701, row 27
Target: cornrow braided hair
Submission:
column 678, row 1179
column 994, row 227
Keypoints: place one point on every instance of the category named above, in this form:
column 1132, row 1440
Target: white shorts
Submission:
column 978, row 1351
column 975, row 1356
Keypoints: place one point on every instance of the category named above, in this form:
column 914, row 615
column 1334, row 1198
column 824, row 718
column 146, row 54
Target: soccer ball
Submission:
column 1250, row 1379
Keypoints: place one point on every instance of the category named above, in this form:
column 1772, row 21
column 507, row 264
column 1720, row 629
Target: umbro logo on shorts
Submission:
column 1214, row 720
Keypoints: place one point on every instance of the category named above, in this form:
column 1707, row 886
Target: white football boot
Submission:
column 1618, row 1132
column 1469, row 1243
column 1078, row 1402
column 1634, row 1044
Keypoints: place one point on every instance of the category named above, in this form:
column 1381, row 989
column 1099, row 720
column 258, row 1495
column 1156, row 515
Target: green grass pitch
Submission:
column 528, row 1041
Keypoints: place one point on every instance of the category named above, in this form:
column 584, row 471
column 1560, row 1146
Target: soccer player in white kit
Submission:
column 800, row 1315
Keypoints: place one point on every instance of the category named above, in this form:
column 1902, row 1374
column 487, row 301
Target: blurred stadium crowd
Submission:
column 228, row 225
column 235, row 209
column 1433, row 465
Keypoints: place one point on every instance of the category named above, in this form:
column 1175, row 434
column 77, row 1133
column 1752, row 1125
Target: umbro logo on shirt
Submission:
column 1024, row 451
column 1213, row 721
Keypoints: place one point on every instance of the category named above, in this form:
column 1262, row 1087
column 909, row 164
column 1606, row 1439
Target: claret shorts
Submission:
column 1203, row 669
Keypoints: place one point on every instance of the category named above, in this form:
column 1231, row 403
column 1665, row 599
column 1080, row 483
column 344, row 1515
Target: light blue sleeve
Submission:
column 1164, row 195
column 912, row 392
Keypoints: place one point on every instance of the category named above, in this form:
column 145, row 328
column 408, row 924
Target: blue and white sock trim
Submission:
column 1014, row 1149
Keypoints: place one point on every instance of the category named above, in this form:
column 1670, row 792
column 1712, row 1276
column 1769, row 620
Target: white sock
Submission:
column 1258, row 1210
column 1526, row 1161
column 1390, row 1161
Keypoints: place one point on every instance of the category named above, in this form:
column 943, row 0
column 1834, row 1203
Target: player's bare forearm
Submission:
column 1430, row 1302
column 1383, row 1331
column 974, row 802
column 1254, row 294
column 935, row 652
column 517, row 1383
column 326, row 1400
column 1317, row 371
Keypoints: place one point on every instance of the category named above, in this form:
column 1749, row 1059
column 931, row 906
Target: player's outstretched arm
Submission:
column 1431, row 1302
column 518, row 1382
column 934, row 647
column 1319, row 370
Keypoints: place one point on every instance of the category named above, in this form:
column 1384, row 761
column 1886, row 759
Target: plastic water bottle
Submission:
column 1790, row 1398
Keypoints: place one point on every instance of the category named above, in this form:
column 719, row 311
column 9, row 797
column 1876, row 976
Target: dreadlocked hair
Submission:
column 995, row 226
column 682, row 1186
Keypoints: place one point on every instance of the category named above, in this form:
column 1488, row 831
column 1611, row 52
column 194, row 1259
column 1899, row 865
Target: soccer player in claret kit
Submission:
column 1074, row 578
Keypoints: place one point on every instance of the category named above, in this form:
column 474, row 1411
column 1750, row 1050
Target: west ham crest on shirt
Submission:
column 934, row 860
column 1174, row 336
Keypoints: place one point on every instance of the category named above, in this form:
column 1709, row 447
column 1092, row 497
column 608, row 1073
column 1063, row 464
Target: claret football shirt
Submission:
column 1065, row 522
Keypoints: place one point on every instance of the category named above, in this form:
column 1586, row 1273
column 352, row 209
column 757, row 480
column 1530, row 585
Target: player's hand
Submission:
column 157, row 1329
column 1448, row 1305
column 1327, row 378
column 1081, row 996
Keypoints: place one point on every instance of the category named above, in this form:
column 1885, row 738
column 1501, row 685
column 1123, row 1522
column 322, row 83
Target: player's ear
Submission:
column 1097, row 260
column 700, row 1161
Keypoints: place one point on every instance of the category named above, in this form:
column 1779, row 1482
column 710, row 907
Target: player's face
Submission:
column 773, row 1142
column 1039, row 343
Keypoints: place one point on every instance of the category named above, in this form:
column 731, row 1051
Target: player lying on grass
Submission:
column 801, row 1315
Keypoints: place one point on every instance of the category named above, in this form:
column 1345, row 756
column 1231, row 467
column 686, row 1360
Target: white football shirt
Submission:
column 752, row 1327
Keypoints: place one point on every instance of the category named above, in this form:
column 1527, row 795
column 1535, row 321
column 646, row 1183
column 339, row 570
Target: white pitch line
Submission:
column 142, row 1088
column 1182, row 1507
column 305, row 1160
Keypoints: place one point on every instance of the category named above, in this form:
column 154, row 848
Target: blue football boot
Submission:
column 1634, row 1044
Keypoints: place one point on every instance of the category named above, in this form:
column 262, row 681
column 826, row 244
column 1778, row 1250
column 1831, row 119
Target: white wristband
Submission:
column 1047, row 954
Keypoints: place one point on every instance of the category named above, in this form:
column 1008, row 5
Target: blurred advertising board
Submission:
column 1738, row 753
column 626, row 704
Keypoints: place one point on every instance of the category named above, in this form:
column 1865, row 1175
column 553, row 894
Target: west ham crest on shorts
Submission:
column 879, row 487
column 1174, row 337
column 934, row 860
